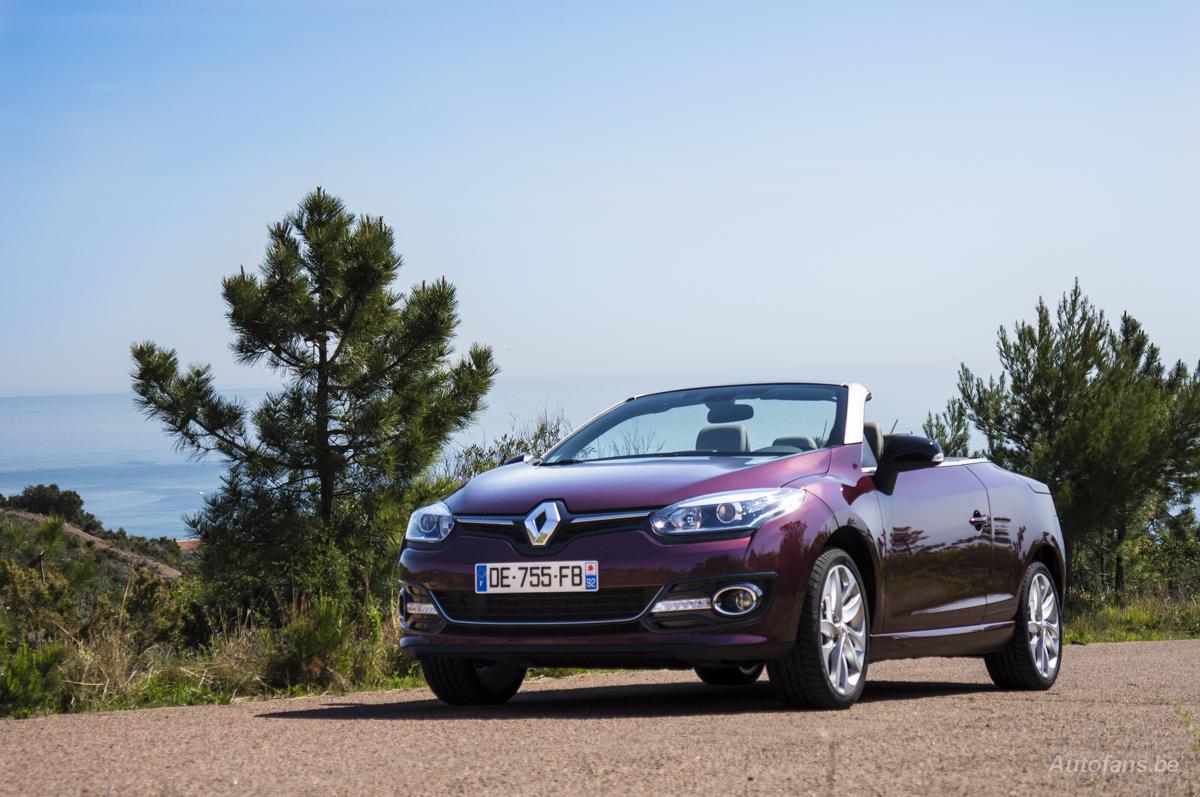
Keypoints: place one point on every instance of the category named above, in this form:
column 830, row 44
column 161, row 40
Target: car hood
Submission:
column 625, row 484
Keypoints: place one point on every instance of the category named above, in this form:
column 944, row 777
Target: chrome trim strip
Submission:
column 602, row 518
column 546, row 623
column 942, row 633
column 506, row 520
column 945, row 463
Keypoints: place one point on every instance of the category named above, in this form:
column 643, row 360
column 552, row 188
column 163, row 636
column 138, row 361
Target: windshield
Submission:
column 740, row 420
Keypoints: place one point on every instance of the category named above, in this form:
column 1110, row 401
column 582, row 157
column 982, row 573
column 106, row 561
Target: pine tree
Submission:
column 1092, row 411
column 371, row 390
column 950, row 429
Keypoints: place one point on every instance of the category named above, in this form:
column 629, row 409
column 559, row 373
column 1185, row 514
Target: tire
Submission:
column 738, row 675
column 471, row 682
column 1033, row 657
column 803, row 679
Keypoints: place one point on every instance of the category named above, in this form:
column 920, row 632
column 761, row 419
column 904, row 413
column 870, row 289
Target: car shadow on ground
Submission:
column 633, row 700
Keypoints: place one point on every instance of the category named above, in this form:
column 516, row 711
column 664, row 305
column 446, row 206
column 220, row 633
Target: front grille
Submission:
column 608, row 604
column 515, row 533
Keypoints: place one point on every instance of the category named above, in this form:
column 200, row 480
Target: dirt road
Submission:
column 930, row 727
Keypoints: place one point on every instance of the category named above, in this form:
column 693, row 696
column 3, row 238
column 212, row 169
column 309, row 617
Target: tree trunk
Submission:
column 1072, row 565
column 1119, row 571
column 324, row 460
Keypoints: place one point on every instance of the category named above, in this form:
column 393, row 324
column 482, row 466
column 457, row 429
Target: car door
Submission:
column 1010, row 499
column 938, row 551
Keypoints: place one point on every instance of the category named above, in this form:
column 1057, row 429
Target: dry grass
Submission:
column 1141, row 618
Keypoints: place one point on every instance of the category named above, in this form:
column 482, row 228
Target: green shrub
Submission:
column 312, row 643
column 30, row 681
column 35, row 607
column 49, row 499
column 152, row 610
column 1146, row 617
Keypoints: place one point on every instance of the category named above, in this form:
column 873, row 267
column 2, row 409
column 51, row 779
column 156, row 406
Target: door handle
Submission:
column 978, row 520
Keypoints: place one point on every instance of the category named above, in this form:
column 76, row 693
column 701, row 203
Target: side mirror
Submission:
column 910, row 448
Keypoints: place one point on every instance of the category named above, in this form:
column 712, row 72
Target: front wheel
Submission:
column 738, row 675
column 471, row 682
column 827, row 668
column 1033, row 656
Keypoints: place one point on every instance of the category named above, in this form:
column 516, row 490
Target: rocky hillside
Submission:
column 104, row 550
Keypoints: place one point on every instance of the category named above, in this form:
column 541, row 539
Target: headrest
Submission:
column 732, row 437
column 874, row 437
column 802, row 443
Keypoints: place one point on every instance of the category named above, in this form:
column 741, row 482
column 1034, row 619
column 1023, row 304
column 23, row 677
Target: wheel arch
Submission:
column 858, row 546
column 1048, row 555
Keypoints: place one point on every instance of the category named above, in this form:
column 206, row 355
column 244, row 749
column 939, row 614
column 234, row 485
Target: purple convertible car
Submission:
column 731, row 529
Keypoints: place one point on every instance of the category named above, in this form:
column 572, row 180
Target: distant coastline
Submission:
column 130, row 475
column 100, row 446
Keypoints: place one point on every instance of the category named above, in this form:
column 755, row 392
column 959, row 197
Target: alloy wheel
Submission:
column 1043, row 625
column 843, row 629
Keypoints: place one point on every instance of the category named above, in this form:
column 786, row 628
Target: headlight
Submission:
column 717, row 512
column 430, row 523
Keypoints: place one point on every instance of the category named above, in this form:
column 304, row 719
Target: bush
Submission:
column 50, row 499
column 79, row 632
column 30, row 681
column 264, row 550
column 240, row 659
column 174, row 685
column 312, row 644
column 151, row 610
column 34, row 607
column 534, row 438
column 1091, row 619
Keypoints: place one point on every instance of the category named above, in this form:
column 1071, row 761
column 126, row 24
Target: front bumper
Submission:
column 629, row 560
column 633, row 651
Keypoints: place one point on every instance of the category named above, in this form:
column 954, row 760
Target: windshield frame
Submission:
column 613, row 416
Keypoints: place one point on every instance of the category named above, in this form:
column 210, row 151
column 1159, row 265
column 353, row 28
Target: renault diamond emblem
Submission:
column 542, row 521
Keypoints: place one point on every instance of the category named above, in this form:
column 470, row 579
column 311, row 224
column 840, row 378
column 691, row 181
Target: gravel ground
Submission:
column 923, row 727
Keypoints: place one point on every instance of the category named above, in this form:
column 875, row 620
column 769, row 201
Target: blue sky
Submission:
column 631, row 195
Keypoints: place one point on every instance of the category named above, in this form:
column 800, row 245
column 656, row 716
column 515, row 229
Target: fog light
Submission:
column 420, row 608
column 682, row 605
column 736, row 599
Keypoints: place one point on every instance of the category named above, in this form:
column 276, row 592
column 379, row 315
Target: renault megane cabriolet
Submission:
column 731, row 529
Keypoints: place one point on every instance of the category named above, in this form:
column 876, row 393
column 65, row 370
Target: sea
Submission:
column 131, row 475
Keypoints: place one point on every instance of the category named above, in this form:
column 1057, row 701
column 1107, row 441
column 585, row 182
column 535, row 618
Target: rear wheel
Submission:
column 827, row 668
column 471, row 682
column 738, row 675
column 1032, row 658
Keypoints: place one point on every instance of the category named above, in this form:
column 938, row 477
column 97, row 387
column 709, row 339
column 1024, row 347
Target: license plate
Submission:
column 531, row 577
